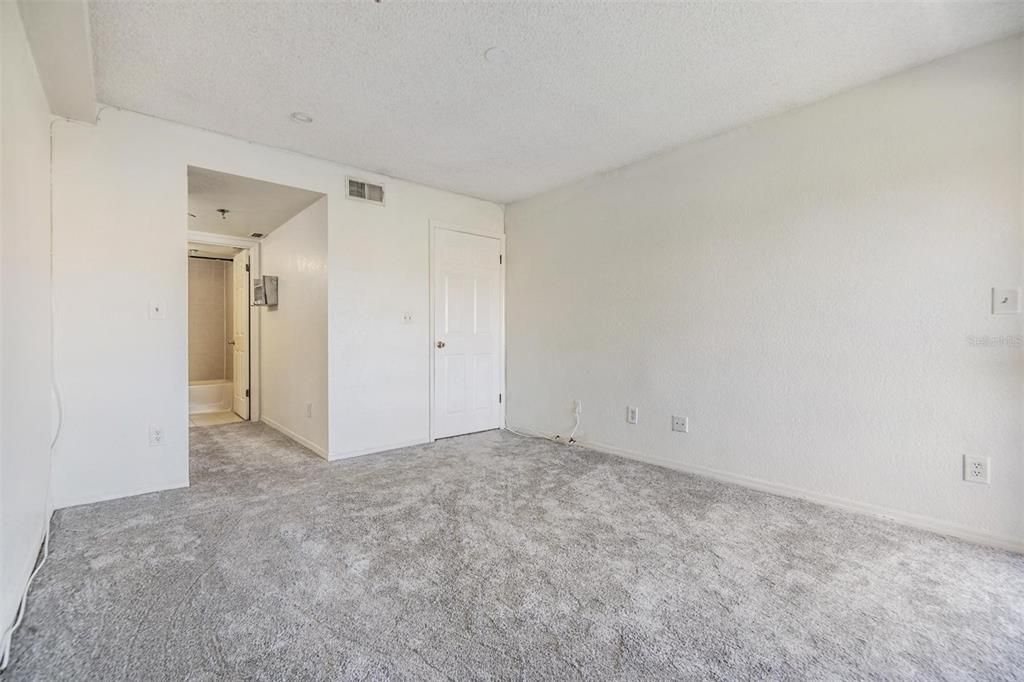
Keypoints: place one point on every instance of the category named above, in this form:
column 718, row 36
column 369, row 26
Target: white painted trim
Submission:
column 376, row 449
column 433, row 227
column 501, row 322
column 295, row 437
column 222, row 239
column 905, row 518
column 255, row 318
column 255, row 339
column 124, row 492
column 27, row 574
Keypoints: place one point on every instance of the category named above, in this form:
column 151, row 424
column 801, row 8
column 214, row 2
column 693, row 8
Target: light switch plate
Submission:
column 1005, row 301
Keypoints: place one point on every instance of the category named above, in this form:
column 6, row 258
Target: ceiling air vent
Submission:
column 358, row 189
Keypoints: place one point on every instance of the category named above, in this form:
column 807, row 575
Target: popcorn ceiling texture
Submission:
column 404, row 89
column 495, row 556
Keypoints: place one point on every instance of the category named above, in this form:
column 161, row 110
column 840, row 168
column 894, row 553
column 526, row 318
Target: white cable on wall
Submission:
column 555, row 438
column 8, row 635
column 577, row 408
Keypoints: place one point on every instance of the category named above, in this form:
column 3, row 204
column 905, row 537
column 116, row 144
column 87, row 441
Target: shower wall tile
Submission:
column 207, row 320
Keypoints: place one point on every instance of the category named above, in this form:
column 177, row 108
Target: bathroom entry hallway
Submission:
column 218, row 334
column 252, row 355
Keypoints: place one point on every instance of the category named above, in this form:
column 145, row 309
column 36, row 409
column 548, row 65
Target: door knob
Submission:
column 440, row 344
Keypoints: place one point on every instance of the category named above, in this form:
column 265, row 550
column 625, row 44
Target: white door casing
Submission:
column 467, row 348
column 240, row 334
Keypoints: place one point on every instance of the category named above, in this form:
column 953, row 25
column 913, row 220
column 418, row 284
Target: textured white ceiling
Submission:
column 404, row 89
column 253, row 205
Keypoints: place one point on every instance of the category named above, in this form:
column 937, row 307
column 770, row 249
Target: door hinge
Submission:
column 499, row 398
column 500, row 259
column 246, row 393
column 247, row 267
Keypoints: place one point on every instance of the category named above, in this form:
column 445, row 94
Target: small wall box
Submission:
column 264, row 290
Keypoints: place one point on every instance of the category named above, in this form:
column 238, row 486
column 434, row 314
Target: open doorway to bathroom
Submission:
column 218, row 334
column 257, row 296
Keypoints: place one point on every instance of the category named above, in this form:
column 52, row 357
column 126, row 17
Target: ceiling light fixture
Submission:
column 301, row 117
column 223, row 213
column 496, row 55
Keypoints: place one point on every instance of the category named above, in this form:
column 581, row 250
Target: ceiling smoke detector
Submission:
column 301, row 117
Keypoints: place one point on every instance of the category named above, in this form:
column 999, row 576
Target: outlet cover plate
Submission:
column 632, row 415
column 977, row 469
column 681, row 424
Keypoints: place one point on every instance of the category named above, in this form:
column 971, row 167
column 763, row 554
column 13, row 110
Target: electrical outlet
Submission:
column 632, row 415
column 681, row 424
column 407, row 318
column 156, row 436
column 977, row 469
column 309, row 410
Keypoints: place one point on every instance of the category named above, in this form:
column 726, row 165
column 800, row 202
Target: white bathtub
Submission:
column 215, row 395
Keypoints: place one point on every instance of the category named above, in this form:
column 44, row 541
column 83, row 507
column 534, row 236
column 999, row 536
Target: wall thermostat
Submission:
column 264, row 290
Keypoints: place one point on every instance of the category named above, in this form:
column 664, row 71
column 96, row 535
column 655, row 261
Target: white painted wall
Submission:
column 293, row 355
column 24, row 312
column 120, row 230
column 805, row 290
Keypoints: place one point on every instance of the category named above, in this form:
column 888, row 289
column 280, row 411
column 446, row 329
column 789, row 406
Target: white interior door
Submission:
column 467, row 333
column 240, row 334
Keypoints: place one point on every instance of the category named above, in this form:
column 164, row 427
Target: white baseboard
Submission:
column 24, row 577
column 118, row 494
column 305, row 442
column 376, row 449
column 905, row 518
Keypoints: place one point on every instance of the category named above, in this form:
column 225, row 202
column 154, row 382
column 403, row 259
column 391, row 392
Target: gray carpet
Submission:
column 496, row 556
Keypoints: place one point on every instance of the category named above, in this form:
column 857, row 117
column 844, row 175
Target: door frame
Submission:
column 253, row 246
column 434, row 226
